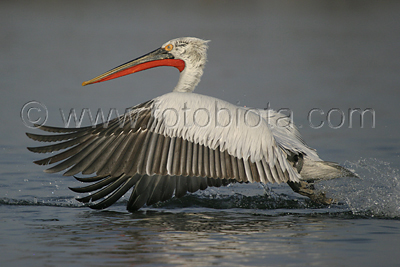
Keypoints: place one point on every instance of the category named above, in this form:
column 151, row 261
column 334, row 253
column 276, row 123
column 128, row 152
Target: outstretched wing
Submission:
column 137, row 150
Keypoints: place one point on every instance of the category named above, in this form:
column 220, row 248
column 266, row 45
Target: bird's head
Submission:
column 187, row 54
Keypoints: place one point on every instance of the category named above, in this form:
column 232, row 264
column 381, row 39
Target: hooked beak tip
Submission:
column 85, row 83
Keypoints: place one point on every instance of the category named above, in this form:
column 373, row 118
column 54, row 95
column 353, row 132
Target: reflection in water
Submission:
column 180, row 238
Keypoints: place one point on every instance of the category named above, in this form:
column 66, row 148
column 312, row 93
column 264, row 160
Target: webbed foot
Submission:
column 308, row 190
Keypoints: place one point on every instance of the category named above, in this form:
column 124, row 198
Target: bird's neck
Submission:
column 189, row 79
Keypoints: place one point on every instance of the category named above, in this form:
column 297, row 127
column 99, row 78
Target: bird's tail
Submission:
column 323, row 170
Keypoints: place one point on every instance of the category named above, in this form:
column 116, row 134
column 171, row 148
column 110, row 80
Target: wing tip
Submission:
column 30, row 135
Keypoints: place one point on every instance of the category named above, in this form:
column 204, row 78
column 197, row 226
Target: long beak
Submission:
column 159, row 57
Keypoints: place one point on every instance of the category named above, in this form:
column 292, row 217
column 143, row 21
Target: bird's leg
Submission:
column 308, row 190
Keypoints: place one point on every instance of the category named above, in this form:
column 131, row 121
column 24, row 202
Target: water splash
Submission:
column 375, row 194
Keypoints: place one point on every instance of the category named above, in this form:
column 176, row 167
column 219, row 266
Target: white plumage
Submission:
column 182, row 141
column 218, row 124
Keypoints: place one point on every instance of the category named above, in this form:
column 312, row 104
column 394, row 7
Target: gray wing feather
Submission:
column 131, row 152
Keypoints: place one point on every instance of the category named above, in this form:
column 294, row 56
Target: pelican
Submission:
column 182, row 142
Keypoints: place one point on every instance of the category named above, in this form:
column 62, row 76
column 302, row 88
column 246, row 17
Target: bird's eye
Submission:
column 168, row 47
